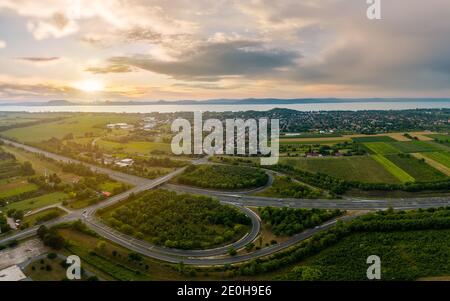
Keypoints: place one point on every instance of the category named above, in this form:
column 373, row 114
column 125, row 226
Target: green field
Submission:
column 382, row 148
column 310, row 142
column 396, row 171
column 420, row 171
column 43, row 216
column 38, row 202
column 142, row 148
column 441, row 157
column 439, row 136
column 363, row 168
column 16, row 187
column 418, row 146
column 370, row 139
column 311, row 135
column 77, row 125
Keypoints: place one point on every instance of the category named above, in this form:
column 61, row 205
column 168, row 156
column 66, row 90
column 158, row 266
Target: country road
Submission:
column 239, row 199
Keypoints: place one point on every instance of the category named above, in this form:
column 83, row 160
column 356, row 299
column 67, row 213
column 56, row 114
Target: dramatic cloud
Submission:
column 229, row 48
column 216, row 60
column 115, row 68
column 40, row 90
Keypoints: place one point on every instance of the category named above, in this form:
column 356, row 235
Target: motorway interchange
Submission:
column 241, row 200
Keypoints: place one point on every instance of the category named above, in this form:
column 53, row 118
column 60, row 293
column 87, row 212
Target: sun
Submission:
column 91, row 86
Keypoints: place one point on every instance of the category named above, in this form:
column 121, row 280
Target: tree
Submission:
column 232, row 251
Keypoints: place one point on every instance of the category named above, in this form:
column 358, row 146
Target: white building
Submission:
column 123, row 126
column 125, row 162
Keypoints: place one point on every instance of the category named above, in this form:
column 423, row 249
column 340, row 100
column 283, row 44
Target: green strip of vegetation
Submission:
column 373, row 139
column 399, row 173
column 382, row 148
column 418, row 146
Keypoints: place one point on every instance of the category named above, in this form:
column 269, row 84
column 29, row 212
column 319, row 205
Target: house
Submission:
column 106, row 194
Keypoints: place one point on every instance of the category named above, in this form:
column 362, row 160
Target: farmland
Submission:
column 361, row 168
column 15, row 187
column 382, row 148
column 78, row 125
column 418, row 146
column 370, row 139
column 442, row 157
column 399, row 173
column 419, row 170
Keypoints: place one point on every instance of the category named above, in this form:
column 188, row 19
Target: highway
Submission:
column 239, row 199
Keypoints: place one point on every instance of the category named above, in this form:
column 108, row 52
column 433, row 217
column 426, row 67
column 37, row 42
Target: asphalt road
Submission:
column 239, row 199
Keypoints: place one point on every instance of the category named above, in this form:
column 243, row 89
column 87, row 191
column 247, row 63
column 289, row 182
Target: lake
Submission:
column 351, row 106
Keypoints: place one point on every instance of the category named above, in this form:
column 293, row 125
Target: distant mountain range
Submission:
column 246, row 101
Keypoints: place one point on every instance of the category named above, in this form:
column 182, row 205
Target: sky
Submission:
column 116, row 50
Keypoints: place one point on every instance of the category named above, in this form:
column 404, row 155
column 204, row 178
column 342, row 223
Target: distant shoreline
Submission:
column 249, row 101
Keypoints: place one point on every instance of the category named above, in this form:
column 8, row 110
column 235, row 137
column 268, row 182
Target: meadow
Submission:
column 15, row 187
column 38, row 202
